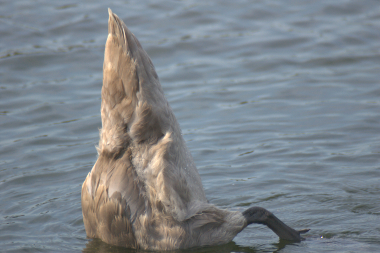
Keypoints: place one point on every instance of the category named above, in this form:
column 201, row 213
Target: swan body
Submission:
column 144, row 190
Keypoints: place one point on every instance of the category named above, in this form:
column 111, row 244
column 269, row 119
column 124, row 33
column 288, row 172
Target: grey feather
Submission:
column 144, row 190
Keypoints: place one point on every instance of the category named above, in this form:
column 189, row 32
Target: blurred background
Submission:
column 278, row 101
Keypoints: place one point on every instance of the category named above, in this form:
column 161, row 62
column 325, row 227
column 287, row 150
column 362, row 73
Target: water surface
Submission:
column 278, row 101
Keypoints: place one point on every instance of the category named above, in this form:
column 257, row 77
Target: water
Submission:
column 279, row 103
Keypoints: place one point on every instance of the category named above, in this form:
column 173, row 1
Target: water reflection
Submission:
column 98, row 246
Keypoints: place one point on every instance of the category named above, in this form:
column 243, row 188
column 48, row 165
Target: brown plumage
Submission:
column 144, row 190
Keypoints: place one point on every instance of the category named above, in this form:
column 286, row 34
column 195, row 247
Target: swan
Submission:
column 144, row 190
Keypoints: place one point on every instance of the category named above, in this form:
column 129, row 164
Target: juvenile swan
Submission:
column 144, row 190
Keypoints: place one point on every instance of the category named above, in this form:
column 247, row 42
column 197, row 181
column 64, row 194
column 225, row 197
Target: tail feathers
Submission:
column 134, row 108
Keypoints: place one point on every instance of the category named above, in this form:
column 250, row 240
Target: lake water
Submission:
column 279, row 102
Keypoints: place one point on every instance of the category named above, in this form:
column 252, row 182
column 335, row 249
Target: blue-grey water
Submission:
column 278, row 101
